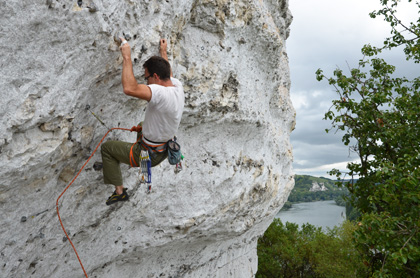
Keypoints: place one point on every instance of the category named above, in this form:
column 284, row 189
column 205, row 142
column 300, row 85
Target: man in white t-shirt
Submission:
column 165, row 95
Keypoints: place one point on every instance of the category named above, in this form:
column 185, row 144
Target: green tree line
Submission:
column 286, row 250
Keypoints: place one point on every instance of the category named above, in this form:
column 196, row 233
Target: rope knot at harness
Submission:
column 136, row 128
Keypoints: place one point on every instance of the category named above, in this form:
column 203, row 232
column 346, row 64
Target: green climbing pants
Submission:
column 115, row 152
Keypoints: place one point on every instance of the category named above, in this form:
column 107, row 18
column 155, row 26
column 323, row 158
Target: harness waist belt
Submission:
column 153, row 146
column 150, row 142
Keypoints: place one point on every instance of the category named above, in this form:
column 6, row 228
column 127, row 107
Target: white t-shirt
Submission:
column 164, row 112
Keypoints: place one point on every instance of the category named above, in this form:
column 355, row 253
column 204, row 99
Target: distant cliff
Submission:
column 308, row 189
column 58, row 56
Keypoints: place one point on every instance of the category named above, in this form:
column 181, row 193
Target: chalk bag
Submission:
column 174, row 152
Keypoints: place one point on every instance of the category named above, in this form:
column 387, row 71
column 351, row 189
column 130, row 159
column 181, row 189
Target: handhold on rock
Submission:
column 127, row 36
column 117, row 38
column 92, row 8
column 49, row 3
column 79, row 3
column 23, row 219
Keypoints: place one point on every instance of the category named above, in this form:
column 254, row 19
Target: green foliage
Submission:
column 380, row 112
column 404, row 34
column 287, row 251
column 352, row 213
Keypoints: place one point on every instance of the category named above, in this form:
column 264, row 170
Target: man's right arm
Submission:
column 163, row 46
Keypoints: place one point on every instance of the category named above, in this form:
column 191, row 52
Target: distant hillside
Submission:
column 310, row 189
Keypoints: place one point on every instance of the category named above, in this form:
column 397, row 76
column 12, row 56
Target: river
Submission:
column 321, row 214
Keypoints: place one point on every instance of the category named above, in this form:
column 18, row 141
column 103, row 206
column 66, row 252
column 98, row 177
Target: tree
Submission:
column 380, row 112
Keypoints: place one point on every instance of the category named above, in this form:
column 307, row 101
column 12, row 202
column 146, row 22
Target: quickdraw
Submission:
column 146, row 170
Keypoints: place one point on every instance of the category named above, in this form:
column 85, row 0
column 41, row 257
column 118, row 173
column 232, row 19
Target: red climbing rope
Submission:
column 56, row 203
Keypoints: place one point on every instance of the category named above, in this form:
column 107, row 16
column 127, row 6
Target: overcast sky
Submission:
column 328, row 34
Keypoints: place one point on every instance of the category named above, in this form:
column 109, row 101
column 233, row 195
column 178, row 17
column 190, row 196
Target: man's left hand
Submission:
column 125, row 48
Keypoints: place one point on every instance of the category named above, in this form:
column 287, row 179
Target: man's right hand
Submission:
column 163, row 46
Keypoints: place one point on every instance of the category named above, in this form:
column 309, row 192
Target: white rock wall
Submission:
column 58, row 56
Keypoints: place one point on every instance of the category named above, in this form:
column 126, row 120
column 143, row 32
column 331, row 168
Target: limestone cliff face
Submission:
column 58, row 56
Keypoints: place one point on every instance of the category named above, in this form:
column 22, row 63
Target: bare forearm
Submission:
column 129, row 82
column 163, row 45
column 163, row 53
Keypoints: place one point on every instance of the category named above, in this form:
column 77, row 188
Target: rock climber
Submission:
column 165, row 96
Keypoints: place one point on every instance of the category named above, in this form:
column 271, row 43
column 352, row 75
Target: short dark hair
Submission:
column 158, row 65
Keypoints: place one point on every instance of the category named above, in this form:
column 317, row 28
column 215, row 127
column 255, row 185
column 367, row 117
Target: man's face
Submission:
column 147, row 76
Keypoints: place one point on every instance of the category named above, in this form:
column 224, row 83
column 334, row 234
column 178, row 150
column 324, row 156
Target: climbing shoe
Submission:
column 117, row 198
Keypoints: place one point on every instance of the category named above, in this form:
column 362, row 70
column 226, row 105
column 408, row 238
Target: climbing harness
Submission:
column 153, row 147
column 172, row 147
